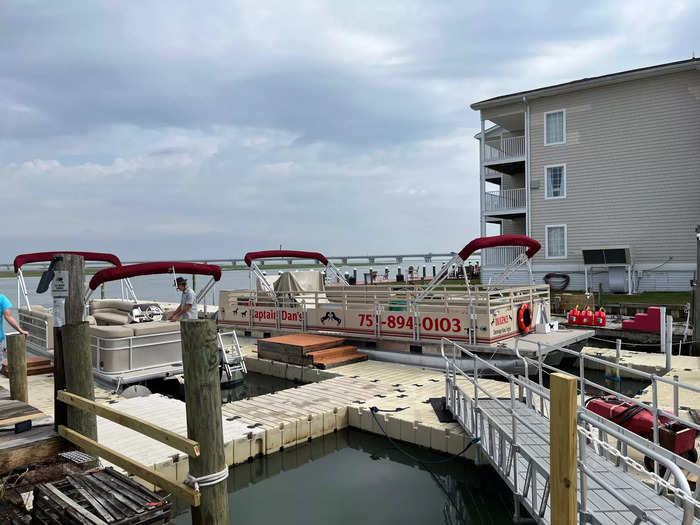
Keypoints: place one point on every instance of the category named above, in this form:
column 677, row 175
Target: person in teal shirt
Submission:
column 5, row 306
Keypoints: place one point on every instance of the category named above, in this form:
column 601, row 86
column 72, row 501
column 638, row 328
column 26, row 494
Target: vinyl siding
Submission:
column 632, row 158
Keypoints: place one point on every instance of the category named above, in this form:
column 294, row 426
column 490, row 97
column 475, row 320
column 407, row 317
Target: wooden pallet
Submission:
column 35, row 366
column 295, row 348
column 96, row 498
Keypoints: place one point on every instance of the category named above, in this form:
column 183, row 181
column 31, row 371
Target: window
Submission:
column 555, row 182
column 555, row 241
column 555, row 127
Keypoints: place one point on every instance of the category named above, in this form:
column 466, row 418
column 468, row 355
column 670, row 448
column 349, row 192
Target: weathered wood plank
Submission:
column 180, row 490
column 188, row 446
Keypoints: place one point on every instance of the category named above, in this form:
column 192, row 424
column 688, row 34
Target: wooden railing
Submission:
column 505, row 200
column 190, row 447
column 504, row 148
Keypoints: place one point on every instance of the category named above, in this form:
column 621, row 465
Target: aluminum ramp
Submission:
column 514, row 436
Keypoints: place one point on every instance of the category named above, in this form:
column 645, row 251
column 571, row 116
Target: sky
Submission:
column 165, row 129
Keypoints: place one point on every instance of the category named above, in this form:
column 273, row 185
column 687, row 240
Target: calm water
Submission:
column 354, row 477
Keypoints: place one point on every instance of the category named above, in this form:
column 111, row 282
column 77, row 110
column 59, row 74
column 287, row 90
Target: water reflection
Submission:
column 355, row 477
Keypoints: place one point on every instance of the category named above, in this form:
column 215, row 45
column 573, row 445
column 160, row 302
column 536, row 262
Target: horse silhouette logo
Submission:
column 330, row 316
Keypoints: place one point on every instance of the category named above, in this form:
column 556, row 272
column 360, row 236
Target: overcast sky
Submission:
column 155, row 130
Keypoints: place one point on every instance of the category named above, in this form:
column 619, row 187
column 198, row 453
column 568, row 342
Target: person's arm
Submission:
column 186, row 308
column 11, row 320
column 176, row 315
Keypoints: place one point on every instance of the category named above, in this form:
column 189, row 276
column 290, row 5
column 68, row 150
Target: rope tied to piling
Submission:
column 207, row 480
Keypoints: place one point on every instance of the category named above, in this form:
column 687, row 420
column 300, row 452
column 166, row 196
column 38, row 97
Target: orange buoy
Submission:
column 524, row 317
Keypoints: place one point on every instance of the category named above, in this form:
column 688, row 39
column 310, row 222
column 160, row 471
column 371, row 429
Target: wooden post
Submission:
column 562, row 443
column 17, row 367
column 74, row 342
column 60, row 410
column 200, row 362
column 77, row 362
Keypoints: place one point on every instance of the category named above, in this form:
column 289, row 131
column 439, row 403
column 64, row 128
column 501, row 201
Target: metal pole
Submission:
column 669, row 341
column 618, row 350
column 675, row 395
column 662, row 329
column 696, row 316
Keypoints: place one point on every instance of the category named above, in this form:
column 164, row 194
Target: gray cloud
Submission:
column 161, row 130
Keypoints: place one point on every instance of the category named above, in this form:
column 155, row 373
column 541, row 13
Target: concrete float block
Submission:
column 393, row 427
column 408, row 431
column 316, row 421
column 423, row 433
column 354, row 416
column 456, row 441
column 341, row 417
column 278, row 369
column 167, row 468
column 273, row 439
column 228, row 452
column 294, row 373
column 438, row 438
column 182, row 468
column 368, row 423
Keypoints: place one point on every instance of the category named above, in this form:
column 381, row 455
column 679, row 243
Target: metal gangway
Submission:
column 613, row 485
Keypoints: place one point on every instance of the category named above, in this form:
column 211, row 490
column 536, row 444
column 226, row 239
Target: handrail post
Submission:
column 655, row 403
column 675, row 395
column 514, row 428
column 582, row 367
column 539, row 374
column 562, row 432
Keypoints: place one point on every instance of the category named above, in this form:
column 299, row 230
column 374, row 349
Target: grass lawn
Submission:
column 642, row 298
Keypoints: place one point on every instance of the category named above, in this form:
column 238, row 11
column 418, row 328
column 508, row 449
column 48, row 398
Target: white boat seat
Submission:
column 155, row 327
column 110, row 316
column 111, row 332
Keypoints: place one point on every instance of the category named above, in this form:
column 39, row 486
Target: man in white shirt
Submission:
column 188, row 303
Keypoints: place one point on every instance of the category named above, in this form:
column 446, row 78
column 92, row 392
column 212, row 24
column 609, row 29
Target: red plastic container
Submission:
column 599, row 318
column 586, row 317
column 574, row 315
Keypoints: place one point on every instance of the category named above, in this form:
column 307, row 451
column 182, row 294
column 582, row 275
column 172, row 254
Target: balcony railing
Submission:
column 504, row 148
column 505, row 200
column 500, row 256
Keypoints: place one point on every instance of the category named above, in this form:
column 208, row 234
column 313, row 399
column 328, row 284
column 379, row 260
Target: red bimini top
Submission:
column 26, row 258
column 152, row 268
column 276, row 254
column 501, row 240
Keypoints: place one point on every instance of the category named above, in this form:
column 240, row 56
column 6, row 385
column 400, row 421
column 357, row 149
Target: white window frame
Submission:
column 563, row 196
column 546, row 241
column 563, row 111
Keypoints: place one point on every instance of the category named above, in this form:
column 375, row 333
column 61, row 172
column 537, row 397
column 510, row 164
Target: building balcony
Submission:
column 505, row 201
column 500, row 256
column 504, row 150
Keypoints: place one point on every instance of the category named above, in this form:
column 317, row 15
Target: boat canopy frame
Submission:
column 154, row 268
column 460, row 258
column 250, row 258
column 28, row 258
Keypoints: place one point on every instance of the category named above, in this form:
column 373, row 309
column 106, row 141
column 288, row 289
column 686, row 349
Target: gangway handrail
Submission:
column 652, row 450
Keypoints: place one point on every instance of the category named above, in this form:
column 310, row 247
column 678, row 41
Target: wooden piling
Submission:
column 203, row 406
column 74, row 343
column 17, row 367
column 77, row 362
column 60, row 410
column 562, row 443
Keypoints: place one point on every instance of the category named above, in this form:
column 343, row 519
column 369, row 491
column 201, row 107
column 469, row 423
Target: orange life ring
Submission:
column 524, row 317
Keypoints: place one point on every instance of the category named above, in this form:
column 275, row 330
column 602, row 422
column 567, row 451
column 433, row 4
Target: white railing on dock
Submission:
column 500, row 256
column 504, row 148
column 481, row 414
column 505, row 200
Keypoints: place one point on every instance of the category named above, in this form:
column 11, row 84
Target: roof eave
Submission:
column 578, row 85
